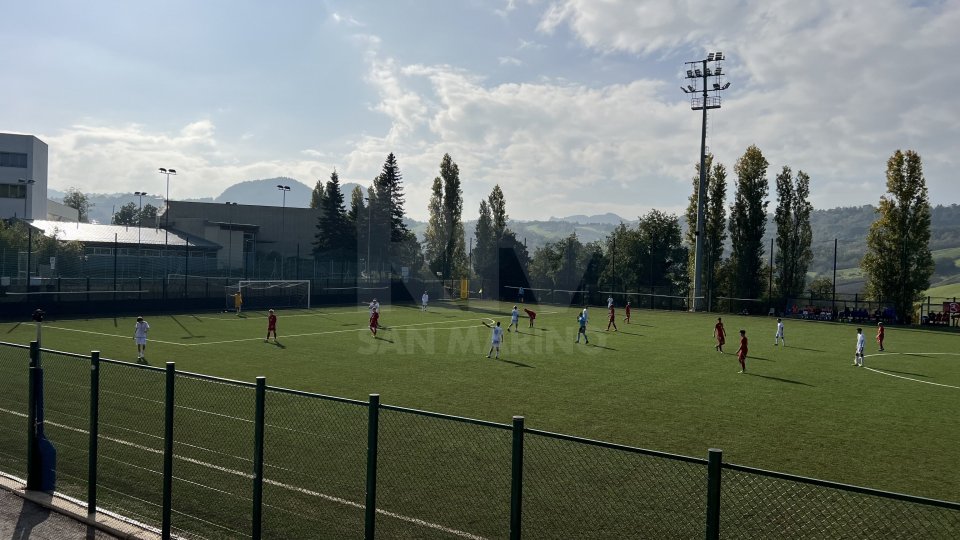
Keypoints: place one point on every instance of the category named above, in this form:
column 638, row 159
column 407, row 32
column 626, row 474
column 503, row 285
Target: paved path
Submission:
column 20, row 518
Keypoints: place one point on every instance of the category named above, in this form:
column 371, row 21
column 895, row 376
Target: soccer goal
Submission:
column 266, row 294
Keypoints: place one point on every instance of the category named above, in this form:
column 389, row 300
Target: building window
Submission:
column 11, row 159
column 13, row 191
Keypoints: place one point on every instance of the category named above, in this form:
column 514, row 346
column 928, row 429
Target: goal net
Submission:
column 267, row 294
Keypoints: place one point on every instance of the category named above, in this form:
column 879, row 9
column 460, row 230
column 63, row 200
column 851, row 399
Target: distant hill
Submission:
column 607, row 219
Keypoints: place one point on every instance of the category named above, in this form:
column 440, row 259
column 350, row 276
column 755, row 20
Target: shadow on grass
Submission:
column 758, row 358
column 143, row 361
column 803, row 348
column 14, row 327
column 902, row 372
column 190, row 335
column 383, row 339
column 603, row 347
column 779, row 379
column 629, row 333
column 915, row 354
column 279, row 345
column 518, row 364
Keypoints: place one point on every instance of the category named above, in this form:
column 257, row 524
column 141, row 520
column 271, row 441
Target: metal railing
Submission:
column 194, row 456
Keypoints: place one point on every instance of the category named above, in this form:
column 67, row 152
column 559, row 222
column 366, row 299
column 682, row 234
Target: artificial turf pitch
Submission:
column 656, row 383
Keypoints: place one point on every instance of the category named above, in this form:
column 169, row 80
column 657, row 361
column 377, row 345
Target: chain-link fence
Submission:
column 195, row 456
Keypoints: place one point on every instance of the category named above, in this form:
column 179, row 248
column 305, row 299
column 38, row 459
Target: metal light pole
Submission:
column 283, row 209
column 230, row 206
column 709, row 99
column 369, row 220
column 166, row 234
column 27, row 183
column 139, row 224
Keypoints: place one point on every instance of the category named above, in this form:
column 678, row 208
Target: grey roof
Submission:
column 104, row 234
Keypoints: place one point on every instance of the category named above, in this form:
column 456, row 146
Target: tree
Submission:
column 715, row 228
column 78, row 200
column 391, row 235
column 446, row 249
column 148, row 215
column 748, row 220
column 794, row 235
column 126, row 215
column 317, row 195
column 484, row 256
column 334, row 231
column 822, row 287
column 898, row 263
column 660, row 232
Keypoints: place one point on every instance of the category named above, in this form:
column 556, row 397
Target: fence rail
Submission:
column 196, row 456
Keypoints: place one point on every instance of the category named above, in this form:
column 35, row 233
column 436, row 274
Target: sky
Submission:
column 572, row 106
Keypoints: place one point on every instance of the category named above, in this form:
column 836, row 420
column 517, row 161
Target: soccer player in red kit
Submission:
column 612, row 320
column 720, row 334
column 626, row 309
column 531, row 315
column 880, row 335
column 374, row 317
column 742, row 351
column 271, row 326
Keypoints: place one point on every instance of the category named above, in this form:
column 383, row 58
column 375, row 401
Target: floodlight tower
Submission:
column 710, row 70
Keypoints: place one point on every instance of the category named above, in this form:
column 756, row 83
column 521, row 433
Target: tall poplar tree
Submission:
column 794, row 235
column 898, row 263
column 484, row 256
column 334, row 231
column 446, row 248
column 748, row 221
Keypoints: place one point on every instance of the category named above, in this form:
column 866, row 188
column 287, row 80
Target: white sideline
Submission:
column 909, row 378
column 331, row 498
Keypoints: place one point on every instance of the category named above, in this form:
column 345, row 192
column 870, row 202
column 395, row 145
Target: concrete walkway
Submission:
column 34, row 514
column 20, row 518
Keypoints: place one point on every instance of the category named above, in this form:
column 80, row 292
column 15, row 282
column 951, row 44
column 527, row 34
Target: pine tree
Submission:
column 334, row 231
column 794, row 234
column 484, row 249
column 317, row 195
column 748, row 220
column 898, row 263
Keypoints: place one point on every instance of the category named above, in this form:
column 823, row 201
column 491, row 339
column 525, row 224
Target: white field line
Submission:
column 331, row 498
column 361, row 329
column 909, row 378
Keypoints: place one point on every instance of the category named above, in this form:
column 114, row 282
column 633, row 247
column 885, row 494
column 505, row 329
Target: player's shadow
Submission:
column 14, row 327
column 902, row 372
column 143, row 361
column 383, row 339
column 915, row 354
column 629, row 333
column 759, row 358
column 518, row 364
column 779, row 379
column 601, row 347
column 802, row 348
column 279, row 345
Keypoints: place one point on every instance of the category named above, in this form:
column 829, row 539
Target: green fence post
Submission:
column 258, row 459
column 714, row 461
column 168, row 453
column 94, row 432
column 33, row 476
column 373, row 427
column 516, row 479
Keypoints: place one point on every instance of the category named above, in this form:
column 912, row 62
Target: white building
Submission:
column 23, row 176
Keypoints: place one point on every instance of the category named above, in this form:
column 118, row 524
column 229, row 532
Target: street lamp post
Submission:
column 369, row 221
column 283, row 209
column 166, row 234
column 709, row 99
column 230, row 206
column 139, row 194
column 27, row 183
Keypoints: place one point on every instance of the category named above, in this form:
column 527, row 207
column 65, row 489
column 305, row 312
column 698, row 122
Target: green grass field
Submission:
column 658, row 383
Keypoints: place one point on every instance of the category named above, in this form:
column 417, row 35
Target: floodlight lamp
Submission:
column 163, row 170
column 710, row 57
column 726, row 86
column 692, row 89
column 172, row 171
column 718, row 56
column 698, row 72
column 690, row 73
column 716, row 86
column 718, row 71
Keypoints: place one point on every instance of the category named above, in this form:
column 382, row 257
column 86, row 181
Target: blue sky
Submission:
column 572, row 106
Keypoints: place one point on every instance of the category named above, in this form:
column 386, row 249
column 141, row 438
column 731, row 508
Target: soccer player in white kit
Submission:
column 424, row 300
column 778, row 337
column 514, row 319
column 140, row 337
column 609, row 302
column 495, row 340
column 858, row 356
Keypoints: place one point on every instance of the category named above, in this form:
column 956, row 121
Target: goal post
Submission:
column 266, row 294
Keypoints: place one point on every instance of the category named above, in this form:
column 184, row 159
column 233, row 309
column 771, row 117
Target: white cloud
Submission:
column 509, row 61
column 340, row 18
